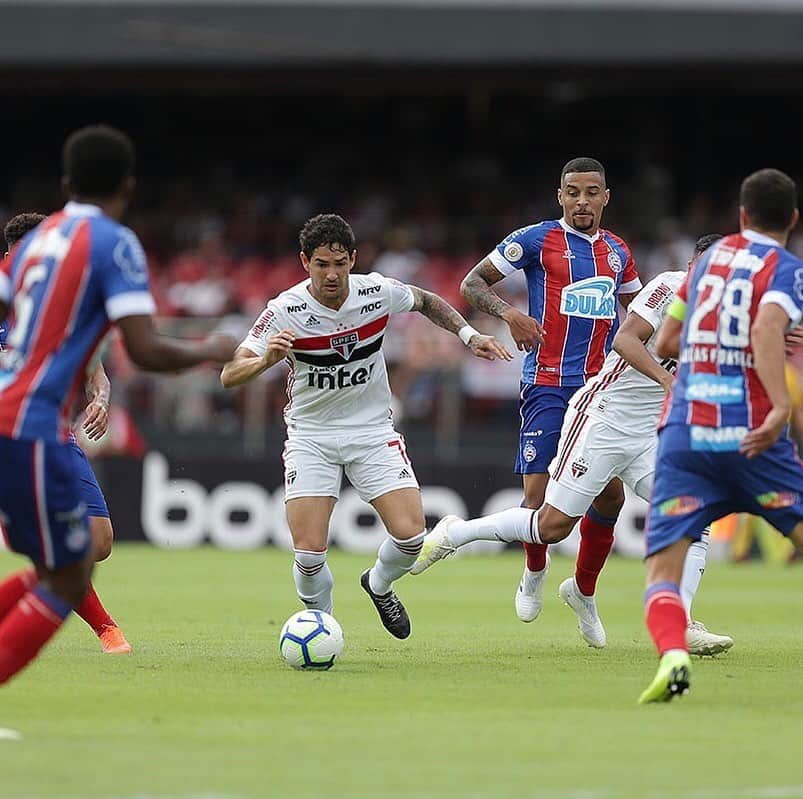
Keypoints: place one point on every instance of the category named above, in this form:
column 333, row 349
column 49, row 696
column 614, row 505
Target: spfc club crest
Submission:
column 344, row 345
column 579, row 468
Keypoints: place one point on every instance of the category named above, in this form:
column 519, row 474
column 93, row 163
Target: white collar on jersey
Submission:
column 82, row 209
column 760, row 238
column 569, row 229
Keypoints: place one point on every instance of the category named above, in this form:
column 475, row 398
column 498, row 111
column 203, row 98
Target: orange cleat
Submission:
column 113, row 641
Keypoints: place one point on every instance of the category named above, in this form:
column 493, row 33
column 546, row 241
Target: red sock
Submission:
column 596, row 542
column 14, row 588
column 666, row 616
column 536, row 556
column 27, row 627
column 91, row 610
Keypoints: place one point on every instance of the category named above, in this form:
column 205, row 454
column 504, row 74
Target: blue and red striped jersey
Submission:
column 65, row 282
column 717, row 385
column 573, row 281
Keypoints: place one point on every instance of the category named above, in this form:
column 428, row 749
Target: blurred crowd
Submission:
column 222, row 260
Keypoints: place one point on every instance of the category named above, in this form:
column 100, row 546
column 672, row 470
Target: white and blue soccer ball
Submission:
column 311, row 639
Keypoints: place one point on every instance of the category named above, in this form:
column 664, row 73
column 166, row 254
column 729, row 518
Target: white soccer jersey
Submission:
column 338, row 378
column 620, row 395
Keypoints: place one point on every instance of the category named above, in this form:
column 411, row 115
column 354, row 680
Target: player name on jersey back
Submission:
column 621, row 395
column 338, row 377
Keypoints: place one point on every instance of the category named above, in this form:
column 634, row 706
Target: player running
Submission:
column 723, row 444
column 609, row 431
column 330, row 329
column 96, row 421
column 575, row 272
column 65, row 283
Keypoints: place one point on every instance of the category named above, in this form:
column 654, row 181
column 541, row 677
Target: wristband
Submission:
column 466, row 333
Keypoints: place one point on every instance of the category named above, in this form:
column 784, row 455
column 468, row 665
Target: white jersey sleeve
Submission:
column 266, row 325
column 653, row 300
column 400, row 295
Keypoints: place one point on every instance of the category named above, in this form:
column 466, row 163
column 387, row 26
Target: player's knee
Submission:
column 70, row 583
column 102, row 537
column 553, row 526
column 611, row 501
column 408, row 527
column 534, row 497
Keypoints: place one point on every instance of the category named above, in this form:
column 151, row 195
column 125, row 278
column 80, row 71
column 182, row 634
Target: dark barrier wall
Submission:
column 239, row 504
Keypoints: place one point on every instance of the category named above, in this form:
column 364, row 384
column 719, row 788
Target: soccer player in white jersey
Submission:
column 609, row 431
column 330, row 329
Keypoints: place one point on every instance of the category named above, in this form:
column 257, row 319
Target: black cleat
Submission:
column 390, row 609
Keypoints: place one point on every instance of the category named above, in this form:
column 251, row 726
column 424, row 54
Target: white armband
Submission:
column 466, row 333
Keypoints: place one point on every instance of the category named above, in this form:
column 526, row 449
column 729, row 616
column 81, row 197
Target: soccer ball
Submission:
column 311, row 639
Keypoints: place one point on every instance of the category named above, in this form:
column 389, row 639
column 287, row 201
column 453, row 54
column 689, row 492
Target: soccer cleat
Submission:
column 585, row 607
column 391, row 611
column 673, row 678
column 437, row 545
column 530, row 595
column 113, row 641
column 701, row 642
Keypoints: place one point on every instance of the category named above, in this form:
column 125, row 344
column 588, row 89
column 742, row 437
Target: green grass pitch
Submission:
column 475, row 704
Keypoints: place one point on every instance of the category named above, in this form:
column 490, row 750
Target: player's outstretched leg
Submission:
column 437, row 545
column 91, row 609
column 699, row 640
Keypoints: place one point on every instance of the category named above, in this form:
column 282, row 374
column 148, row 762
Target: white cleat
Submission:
column 585, row 607
column 437, row 545
column 530, row 594
column 701, row 642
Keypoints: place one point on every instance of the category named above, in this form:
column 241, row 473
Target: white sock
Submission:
column 313, row 580
column 513, row 524
column 693, row 570
column 394, row 559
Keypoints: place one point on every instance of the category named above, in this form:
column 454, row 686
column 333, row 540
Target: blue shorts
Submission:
column 43, row 514
column 696, row 487
column 542, row 409
column 90, row 490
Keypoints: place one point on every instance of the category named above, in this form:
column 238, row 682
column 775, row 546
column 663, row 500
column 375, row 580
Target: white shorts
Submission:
column 374, row 461
column 590, row 454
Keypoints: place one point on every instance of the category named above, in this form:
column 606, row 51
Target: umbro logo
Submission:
column 312, row 321
column 404, row 475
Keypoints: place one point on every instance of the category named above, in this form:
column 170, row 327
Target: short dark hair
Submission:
column 704, row 242
column 96, row 160
column 19, row 225
column 326, row 229
column 582, row 165
column 769, row 197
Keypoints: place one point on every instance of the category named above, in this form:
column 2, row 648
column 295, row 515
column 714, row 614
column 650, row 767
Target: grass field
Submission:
column 475, row 704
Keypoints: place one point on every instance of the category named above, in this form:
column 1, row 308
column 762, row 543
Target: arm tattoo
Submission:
column 437, row 310
column 476, row 289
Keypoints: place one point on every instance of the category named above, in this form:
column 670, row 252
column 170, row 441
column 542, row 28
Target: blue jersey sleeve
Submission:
column 519, row 250
column 786, row 289
column 124, row 275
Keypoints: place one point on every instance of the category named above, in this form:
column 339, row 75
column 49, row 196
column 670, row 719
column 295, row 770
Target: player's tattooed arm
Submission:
column 98, row 391
column 438, row 311
column 630, row 343
column 476, row 290
column 246, row 364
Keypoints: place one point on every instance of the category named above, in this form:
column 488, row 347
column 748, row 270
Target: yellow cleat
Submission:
column 673, row 678
column 113, row 641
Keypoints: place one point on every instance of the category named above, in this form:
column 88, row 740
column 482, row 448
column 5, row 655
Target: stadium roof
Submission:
column 394, row 32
